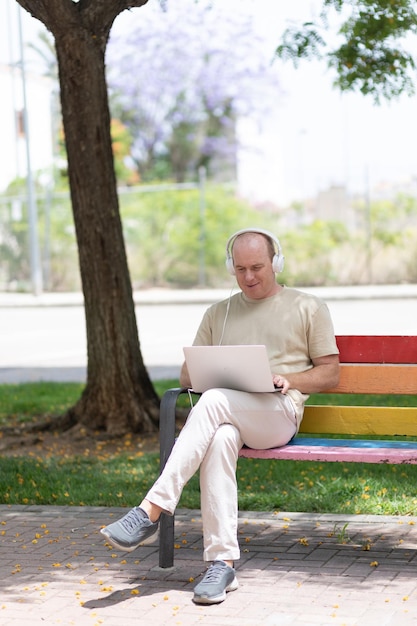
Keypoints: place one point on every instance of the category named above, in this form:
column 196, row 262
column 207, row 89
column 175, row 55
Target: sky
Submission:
column 316, row 137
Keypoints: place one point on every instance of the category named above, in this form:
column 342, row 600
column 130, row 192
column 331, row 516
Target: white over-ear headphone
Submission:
column 277, row 260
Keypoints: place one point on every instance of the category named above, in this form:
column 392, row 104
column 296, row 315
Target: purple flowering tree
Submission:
column 180, row 82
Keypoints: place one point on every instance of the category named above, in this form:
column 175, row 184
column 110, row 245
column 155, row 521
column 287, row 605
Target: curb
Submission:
column 208, row 296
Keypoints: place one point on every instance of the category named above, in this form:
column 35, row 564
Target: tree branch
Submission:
column 62, row 13
column 370, row 57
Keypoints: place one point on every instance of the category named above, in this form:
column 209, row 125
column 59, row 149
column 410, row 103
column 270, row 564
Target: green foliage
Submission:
column 300, row 44
column 370, row 56
column 166, row 232
column 311, row 247
column 391, row 221
column 56, row 233
column 14, row 242
column 173, row 233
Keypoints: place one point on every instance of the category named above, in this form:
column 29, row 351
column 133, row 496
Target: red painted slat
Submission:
column 377, row 349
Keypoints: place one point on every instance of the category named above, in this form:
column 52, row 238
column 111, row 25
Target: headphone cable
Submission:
column 227, row 313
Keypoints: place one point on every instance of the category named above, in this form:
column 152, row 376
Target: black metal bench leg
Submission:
column 166, row 541
column 166, row 443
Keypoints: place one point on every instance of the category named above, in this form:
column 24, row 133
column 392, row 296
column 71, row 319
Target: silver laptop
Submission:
column 245, row 368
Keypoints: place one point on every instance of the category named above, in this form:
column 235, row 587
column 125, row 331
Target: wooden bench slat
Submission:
column 396, row 379
column 360, row 420
column 377, row 349
column 354, row 443
column 335, row 454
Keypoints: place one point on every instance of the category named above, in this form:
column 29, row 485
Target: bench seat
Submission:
column 348, row 450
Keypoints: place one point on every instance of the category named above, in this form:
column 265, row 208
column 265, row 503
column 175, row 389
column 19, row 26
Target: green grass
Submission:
column 25, row 402
column 95, row 481
column 100, row 479
column 122, row 480
column 363, row 399
column 351, row 488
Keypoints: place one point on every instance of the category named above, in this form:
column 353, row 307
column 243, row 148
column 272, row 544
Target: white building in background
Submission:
column 260, row 161
column 13, row 85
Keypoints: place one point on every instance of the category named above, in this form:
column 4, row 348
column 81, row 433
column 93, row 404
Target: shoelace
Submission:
column 130, row 521
column 214, row 573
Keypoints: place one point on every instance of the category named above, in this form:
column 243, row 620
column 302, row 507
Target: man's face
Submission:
column 253, row 266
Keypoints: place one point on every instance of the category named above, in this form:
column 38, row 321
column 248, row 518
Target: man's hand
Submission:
column 280, row 383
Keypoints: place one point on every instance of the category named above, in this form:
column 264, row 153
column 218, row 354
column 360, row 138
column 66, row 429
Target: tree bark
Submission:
column 119, row 396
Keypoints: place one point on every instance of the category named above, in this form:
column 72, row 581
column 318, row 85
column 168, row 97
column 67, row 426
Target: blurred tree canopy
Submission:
column 372, row 50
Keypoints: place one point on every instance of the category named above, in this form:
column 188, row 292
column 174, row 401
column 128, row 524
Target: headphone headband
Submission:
column 277, row 261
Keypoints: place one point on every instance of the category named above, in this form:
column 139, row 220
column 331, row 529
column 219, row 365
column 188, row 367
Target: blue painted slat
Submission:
column 353, row 443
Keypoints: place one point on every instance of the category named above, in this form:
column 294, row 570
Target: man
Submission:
column 298, row 333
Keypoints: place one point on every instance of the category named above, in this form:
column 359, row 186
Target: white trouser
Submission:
column 216, row 429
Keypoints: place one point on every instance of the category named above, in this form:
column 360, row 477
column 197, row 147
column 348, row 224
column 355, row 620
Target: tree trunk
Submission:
column 119, row 396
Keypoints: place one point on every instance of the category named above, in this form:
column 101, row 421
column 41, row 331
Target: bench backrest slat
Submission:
column 377, row 379
column 359, row 420
column 377, row 349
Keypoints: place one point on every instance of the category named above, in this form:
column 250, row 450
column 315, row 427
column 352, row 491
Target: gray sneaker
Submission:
column 218, row 579
column 131, row 530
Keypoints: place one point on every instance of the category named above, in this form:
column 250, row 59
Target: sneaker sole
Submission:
column 117, row 545
column 217, row 599
column 129, row 548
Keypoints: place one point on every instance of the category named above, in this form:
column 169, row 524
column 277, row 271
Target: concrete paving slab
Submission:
column 56, row 569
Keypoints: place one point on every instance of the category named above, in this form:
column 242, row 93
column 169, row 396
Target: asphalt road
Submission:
column 49, row 342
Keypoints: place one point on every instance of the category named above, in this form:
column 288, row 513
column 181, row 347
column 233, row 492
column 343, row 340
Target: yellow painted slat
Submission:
column 360, row 420
column 381, row 378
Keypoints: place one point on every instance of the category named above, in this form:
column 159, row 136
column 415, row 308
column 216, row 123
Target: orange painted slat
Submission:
column 396, row 379
column 377, row 349
column 359, row 420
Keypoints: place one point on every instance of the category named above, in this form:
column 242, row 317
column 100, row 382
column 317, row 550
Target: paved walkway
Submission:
column 294, row 570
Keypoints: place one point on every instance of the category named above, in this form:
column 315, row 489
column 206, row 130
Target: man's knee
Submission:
column 226, row 437
column 212, row 397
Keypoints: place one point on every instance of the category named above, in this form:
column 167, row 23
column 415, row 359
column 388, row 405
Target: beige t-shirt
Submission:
column 295, row 327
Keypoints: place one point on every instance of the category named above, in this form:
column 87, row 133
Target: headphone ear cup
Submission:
column 229, row 265
column 278, row 263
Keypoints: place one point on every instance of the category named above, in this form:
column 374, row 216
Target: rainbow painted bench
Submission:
column 369, row 365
